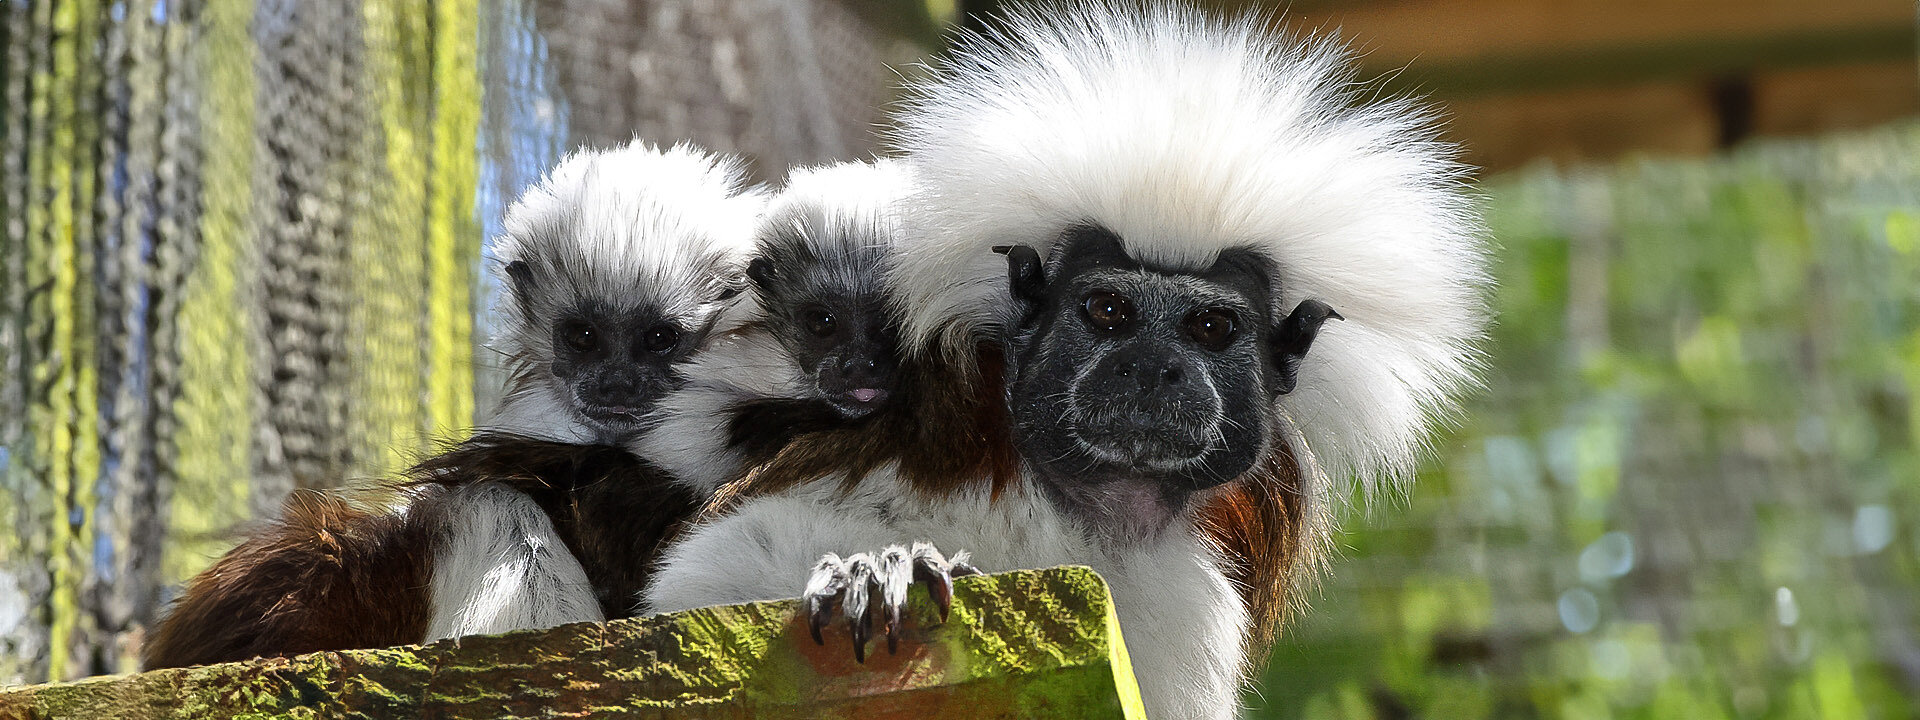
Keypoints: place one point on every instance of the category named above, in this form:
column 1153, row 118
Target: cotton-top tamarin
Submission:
column 1167, row 280
column 617, row 266
column 812, row 346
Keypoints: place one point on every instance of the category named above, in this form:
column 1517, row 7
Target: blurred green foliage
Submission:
column 1689, row 488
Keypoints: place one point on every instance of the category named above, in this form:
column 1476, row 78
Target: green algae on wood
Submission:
column 1024, row 644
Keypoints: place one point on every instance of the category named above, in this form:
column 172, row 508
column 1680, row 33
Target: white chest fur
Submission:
column 502, row 567
column 1182, row 621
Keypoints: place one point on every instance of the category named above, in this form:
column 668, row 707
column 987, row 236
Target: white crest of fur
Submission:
column 1185, row 135
column 843, row 207
column 634, row 226
column 839, row 212
column 836, row 210
column 501, row 567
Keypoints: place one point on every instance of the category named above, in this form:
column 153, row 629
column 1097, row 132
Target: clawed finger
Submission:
column 894, row 574
column 932, row 570
column 961, row 567
column 858, row 582
column 819, row 613
column 823, row 592
column 857, row 602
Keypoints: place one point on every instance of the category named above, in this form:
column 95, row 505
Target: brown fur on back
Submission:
column 614, row 511
column 1261, row 527
column 333, row 574
column 330, row 574
column 947, row 426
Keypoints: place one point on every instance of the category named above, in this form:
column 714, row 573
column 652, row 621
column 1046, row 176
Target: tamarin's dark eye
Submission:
column 820, row 322
column 661, row 338
column 1108, row 310
column 1211, row 328
column 579, row 335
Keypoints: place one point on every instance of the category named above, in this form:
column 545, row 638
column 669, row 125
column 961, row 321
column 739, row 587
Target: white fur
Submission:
column 628, row 227
column 1186, row 134
column 541, row 410
column 836, row 210
column 690, row 434
column 624, row 228
column 501, row 567
column 843, row 209
column 1182, row 622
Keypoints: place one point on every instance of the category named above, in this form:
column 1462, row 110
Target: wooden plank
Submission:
column 1025, row 644
column 1435, row 31
column 1629, row 64
column 1820, row 99
column 1677, row 118
column 1569, row 126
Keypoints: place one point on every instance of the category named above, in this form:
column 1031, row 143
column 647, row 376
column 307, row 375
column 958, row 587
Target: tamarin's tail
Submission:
column 329, row 574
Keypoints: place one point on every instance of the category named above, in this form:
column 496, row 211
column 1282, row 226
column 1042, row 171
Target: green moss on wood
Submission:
column 1027, row 644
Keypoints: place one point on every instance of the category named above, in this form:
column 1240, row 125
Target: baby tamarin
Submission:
column 813, row 346
column 506, row 531
column 617, row 266
column 617, row 271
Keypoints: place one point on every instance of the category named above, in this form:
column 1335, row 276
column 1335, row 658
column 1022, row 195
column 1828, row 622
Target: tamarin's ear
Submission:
column 521, row 276
column 1293, row 336
column 761, row 271
column 1026, row 275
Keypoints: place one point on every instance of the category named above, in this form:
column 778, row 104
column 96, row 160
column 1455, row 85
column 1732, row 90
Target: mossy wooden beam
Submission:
column 1026, row 644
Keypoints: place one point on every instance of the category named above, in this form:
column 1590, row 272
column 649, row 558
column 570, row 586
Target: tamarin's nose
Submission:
column 1150, row 374
column 617, row 389
column 865, row 366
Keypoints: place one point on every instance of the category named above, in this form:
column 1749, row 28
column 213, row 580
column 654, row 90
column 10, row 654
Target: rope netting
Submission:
column 242, row 245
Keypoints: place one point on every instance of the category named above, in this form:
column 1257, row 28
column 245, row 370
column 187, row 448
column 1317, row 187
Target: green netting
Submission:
column 242, row 242
column 240, row 250
column 1690, row 489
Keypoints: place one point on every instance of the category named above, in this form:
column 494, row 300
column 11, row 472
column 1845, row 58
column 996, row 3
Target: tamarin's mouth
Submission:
column 857, row 402
column 608, row 413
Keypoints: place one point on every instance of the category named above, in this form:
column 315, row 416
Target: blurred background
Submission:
column 241, row 252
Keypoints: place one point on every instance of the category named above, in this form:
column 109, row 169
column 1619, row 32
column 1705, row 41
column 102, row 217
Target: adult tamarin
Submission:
column 1134, row 224
column 616, row 267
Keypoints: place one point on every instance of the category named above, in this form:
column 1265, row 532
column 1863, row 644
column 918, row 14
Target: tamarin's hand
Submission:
column 851, row 583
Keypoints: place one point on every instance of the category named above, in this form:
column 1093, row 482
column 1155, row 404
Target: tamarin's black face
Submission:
column 614, row 363
column 1131, row 387
column 831, row 317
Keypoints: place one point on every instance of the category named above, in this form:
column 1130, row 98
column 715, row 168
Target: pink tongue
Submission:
column 865, row 394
